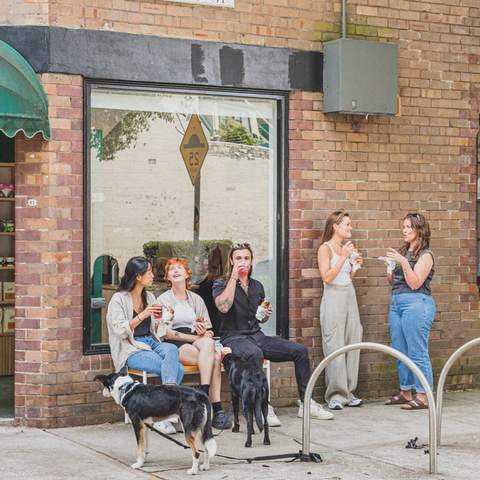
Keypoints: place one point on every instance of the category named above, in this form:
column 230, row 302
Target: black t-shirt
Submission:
column 399, row 284
column 240, row 319
column 205, row 291
column 143, row 328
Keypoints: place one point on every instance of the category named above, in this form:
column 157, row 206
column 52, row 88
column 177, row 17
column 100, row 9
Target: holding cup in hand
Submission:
column 157, row 311
column 199, row 326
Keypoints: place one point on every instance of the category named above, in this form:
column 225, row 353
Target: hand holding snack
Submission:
column 347, row 249
column 163, row 326
column 356, row 260
column 225, row 351
column 167, row 313
column 264, row 311
column 391, row 264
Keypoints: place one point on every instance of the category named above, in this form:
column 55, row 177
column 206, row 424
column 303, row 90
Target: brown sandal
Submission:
column 415, row 404
column 397, row 399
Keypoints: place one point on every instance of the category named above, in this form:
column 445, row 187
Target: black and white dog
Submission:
column 248, row 383
column 145, row 402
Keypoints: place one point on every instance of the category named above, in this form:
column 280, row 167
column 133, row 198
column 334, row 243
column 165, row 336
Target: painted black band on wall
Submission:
column 123, row 56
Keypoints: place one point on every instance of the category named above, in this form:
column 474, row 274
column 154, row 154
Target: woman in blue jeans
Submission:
column 131, row 329
column 412, row 309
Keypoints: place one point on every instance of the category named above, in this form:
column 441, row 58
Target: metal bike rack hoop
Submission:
column 389, row 351
column 443, row 377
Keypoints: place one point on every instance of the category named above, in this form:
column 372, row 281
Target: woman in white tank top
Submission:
column 338, row 261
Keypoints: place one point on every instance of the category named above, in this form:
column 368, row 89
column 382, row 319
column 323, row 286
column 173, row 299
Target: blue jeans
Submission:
column 411, row 316
column 162, row 360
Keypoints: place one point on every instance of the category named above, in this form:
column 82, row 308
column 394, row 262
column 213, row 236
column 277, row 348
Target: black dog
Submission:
column 248, row 383
column 145, row 402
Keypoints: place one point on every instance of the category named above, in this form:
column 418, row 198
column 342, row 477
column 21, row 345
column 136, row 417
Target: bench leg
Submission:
column 147, row 431
column 269, row 380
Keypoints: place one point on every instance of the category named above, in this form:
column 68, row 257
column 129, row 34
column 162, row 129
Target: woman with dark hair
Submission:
column 191, row 331
column 131, row 329
column 339, row 317
column 412, row 308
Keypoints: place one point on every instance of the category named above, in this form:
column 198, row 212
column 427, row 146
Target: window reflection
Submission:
column 143, row 200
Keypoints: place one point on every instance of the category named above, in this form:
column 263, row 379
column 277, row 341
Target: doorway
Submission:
column 7, row 276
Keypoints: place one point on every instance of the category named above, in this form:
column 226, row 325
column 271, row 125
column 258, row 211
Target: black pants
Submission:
column 274, row 349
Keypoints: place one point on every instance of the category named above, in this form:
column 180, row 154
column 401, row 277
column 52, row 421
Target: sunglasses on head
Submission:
column 241, row 246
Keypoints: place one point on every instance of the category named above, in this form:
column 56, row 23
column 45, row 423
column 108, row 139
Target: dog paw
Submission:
column 192, row 471
column 204, row 467
column 248, row 444
column 236, row 429
column 266, row 442
column 137, row 465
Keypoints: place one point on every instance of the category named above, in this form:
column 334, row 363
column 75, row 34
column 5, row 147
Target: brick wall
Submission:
column 381, row 168
column 53, row 384
column 378, row 169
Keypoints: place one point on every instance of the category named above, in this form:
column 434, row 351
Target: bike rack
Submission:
column 390, row 351
column 443, row 377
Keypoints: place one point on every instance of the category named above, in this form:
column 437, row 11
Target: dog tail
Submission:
column 207, row 434
column 258, row 411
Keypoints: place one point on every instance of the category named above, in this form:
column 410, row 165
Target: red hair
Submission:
column 183, row 263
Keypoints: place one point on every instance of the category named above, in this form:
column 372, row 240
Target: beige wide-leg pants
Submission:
column 340, row 322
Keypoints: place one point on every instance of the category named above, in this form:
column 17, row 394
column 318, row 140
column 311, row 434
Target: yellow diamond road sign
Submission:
column 194, row 148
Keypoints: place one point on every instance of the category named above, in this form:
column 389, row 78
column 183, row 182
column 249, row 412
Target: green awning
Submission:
column 23, row 103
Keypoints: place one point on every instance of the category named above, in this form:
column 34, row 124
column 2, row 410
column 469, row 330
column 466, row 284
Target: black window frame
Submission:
column 281, row 97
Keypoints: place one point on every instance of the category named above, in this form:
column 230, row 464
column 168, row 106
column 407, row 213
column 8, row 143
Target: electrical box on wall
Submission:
column 360, row 77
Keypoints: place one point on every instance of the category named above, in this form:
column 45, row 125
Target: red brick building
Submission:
column 113, row 67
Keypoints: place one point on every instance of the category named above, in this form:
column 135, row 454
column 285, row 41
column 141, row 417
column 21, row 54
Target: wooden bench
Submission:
column 189, row 370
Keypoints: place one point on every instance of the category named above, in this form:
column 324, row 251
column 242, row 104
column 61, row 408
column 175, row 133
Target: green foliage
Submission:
column 180, row 248
column 234, row 132
column 127, row 126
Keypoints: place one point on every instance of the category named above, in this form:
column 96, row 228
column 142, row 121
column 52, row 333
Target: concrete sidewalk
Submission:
column 361, row 443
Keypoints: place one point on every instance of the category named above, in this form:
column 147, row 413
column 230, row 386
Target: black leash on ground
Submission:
column 312, row 457
column 413, row 443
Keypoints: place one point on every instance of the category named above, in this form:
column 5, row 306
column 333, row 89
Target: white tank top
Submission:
column 343, row 276
column 184, row 315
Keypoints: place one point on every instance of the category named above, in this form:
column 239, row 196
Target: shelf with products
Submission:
column 7, row 247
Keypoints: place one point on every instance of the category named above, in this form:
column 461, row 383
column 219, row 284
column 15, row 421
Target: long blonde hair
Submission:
column 334, row 218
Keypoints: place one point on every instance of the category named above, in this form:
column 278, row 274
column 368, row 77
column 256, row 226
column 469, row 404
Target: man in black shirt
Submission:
column 237, row 297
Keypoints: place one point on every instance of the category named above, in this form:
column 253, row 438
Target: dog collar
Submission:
column 125, row 389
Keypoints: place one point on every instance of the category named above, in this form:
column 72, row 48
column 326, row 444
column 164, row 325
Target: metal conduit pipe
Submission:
column 443, row 377
column 389, row 351
column 344, row 18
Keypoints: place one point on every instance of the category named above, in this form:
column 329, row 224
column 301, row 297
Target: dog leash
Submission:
column 312, row 457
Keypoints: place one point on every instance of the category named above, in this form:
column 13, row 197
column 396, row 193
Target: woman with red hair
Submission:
column 191, row 331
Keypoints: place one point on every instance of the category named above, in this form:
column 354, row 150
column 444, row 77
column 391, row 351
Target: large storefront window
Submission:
column 173, row 174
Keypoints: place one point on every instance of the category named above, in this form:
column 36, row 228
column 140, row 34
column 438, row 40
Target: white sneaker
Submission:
column 165, row 427
column 335, row 405
column 316, row 411
column 355, row 402
column 172, row 419
column 272, row 419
